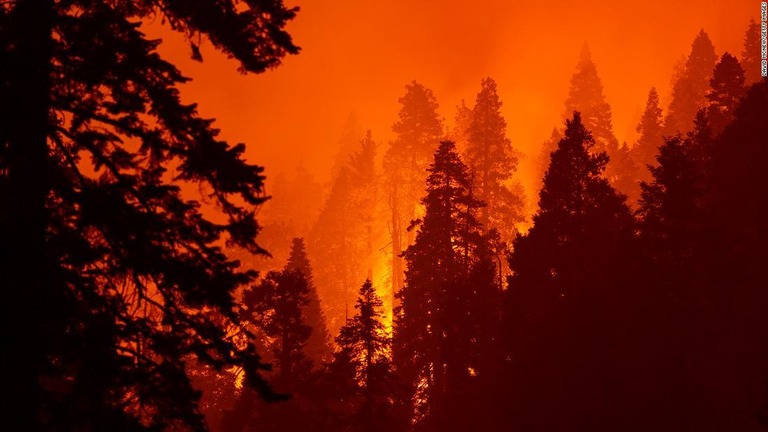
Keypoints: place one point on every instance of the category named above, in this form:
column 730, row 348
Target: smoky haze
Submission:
column 357, row 57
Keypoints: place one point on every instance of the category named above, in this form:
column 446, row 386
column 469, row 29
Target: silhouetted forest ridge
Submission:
column 417, row 294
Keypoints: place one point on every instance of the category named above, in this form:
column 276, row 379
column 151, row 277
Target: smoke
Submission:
column 358, row 56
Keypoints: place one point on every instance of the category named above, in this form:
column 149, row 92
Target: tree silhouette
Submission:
column 418, row 131
column 586, row 96
column 700, row 147
column 365, row 177
column 750, row 55
column 673, row 195
column 675, row 240
column 105, row 257
column 647, row 146
column 276, row 306
column 739, row 324
column 318, row 347
column 444, row 325
column 690, row 88
column 699, row 237
column 364, row 355
column 727, row 88
column 492, row 162
column 334, row 245
column 564, row 307
column 341, row 242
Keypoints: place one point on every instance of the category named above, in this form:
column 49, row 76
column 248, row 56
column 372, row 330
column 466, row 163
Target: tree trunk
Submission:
column 397, row 249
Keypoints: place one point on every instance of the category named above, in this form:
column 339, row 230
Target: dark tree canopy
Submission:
column 726, row 91
column 562, row 308
column 137, row 297
column 674, row 192
column 276, row 306
column 701, row 240
column 444, row 325
column 365, row 349
column 318, row 347
column 123, row 276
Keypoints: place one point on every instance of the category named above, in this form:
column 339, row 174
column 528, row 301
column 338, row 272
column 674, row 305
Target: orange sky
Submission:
column 357, row 57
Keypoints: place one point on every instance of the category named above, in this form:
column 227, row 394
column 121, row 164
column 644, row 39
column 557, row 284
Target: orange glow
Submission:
column 357, row 58
column 382, row 272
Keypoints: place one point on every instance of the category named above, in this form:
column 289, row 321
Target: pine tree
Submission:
column 418, row 131
column 738, row 204
column 750, row 55
column 319, row 344
column 703, row 238
column 119, row 276
column 365, row 348
column 447, row 300
column 739, row 173
column 647, row 146
column 492, row 162
column 365, row 178
column 690, row 88
column 726, row 91
column 335, row 247
column 564, row 307
column 276, row 307
column 586, row 96
column 573, row 199
column 671, row 202
column 673, row 236
column 341, row 242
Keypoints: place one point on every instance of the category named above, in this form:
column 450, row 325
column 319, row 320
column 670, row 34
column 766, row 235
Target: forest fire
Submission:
column 245, row 215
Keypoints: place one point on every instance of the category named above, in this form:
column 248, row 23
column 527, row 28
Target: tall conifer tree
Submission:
column 726, row 91
column 647, row 145
column 365, row 349
column 418, row 131
column 586, row 96
column 94, row 225
column 492, row 162
column 564, row 297
column 318, row 346
column 750, row 54
column 447, row 311
column 690, row 87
